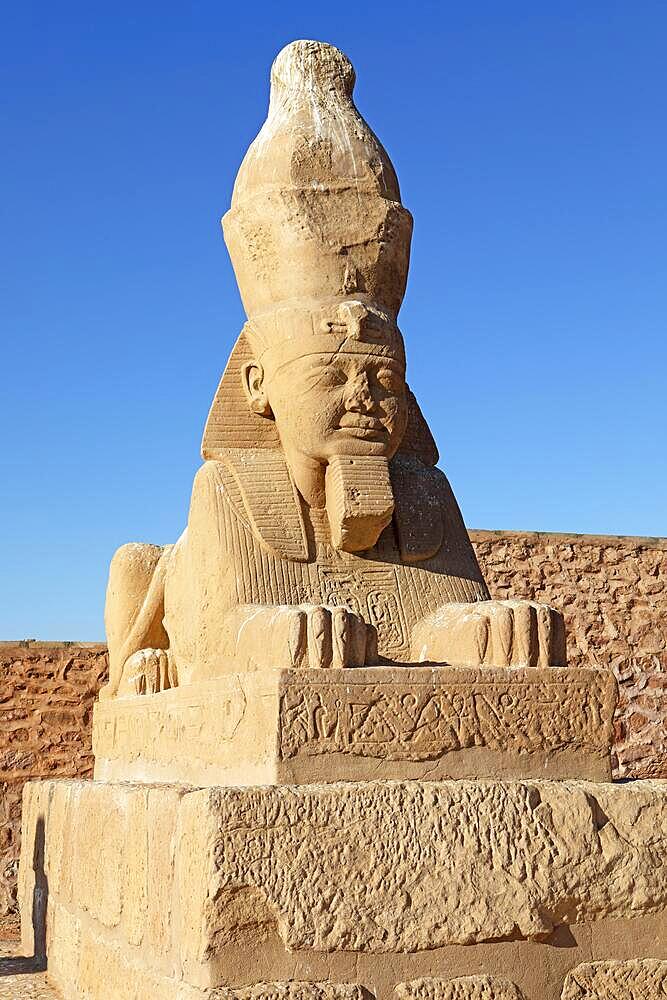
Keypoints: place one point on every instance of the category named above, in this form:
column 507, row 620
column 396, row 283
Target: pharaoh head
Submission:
column 320, row 243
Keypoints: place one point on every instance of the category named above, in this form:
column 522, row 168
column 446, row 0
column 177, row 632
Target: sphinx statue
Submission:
column 320, row 532
column 327, row 765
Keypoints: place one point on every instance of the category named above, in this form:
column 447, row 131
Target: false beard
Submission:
column 359, row 501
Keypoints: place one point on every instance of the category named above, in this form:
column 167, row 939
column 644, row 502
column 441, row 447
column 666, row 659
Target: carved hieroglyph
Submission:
column 462, row 988
column 293, row 991
column 158, row 890
column 421, row 715
column 320, row 532
column 640, row 979
column 391, row 867
column 297, row 726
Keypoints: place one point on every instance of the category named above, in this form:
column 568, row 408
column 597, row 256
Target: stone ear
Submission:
column 252, row 380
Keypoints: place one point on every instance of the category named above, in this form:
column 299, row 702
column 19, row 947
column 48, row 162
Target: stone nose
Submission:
column 358, row 396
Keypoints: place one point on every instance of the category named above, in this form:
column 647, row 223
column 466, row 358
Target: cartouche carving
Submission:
column 320, row 533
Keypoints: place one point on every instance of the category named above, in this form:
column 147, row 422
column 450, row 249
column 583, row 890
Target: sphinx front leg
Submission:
column 492, row 633
column 133, row 616
column 146, row 672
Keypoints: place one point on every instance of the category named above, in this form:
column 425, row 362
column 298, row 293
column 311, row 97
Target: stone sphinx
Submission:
column 432, row 817
column 320, row 533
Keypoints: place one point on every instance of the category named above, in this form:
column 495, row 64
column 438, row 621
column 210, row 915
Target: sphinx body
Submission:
column 232, row 595
column 320, row 532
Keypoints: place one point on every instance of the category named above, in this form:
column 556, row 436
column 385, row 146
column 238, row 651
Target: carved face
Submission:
column 326, row 405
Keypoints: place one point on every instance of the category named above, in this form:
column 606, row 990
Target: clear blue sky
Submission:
column 530, row 141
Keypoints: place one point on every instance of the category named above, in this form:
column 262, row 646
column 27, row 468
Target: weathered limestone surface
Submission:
column 462, row 988
column 197, row 884
column 641, row 979
column 436, row 864
column 295, row 726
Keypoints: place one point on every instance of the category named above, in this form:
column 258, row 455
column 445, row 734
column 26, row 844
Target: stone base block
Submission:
column 525, row 889
column 300, row 727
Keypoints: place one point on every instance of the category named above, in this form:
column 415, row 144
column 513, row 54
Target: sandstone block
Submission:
column 218, row 892
column 305, row 726
column 641, row 979
column 430, row 864
column 462, row 988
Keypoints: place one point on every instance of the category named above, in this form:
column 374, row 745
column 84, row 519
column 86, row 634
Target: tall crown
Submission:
column 316, row 214
column 319, row 240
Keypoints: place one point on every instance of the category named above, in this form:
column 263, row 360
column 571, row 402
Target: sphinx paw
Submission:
column 146, row 672
column 494, row 633
column 321, row 636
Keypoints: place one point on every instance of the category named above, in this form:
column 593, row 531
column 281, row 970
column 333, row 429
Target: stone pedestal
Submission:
column 484, row 890
column 305, row 726
column 336, row 868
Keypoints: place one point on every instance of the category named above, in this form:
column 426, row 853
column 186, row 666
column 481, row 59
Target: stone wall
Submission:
column 47, row 691
column 613, row 592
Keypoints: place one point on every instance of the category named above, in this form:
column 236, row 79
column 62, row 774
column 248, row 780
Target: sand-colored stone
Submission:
column 293, row 991
column 371, row 884
column 295, row 726
column 320, row 532
column 639, row 979
column 463, row 861
column 613, row 592
column 323, row 630
column 462, row 988
column 23, row 978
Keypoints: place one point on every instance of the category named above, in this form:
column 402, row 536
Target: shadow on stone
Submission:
column 21, row 965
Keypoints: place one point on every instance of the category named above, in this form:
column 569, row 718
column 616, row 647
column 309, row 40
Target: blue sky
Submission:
column 531, row 146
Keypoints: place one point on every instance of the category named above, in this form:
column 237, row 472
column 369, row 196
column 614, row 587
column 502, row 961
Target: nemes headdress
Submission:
column 317, row 234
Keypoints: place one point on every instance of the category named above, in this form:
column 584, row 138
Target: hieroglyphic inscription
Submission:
column 373, row 594
column 448, row 709
column 292, row 991
column 407, row 866
column 167, row 721
column 637, row 979
column 462, row 988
